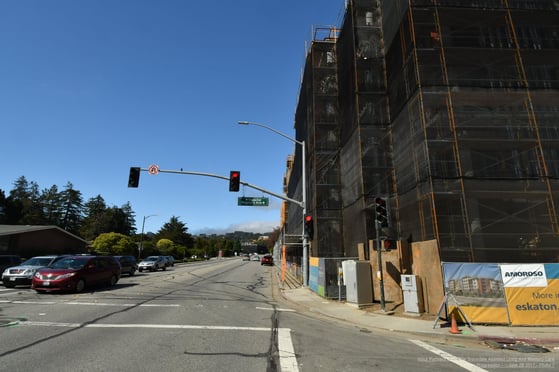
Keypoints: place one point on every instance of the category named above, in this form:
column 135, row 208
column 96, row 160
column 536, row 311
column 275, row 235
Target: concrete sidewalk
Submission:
column 401, row 322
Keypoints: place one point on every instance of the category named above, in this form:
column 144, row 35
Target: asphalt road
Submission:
column 212, row 316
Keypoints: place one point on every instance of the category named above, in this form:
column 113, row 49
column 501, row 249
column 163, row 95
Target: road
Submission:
column 213, row 316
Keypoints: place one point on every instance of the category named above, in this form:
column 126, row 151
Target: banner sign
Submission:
column 515, row 294
column 528, row 275
column 478, row 289
column 532, row 293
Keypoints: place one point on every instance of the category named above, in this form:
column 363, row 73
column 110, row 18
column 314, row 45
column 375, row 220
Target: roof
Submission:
column 21, row 229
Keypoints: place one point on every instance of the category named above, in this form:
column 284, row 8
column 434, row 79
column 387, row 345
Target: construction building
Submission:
column 446, row 109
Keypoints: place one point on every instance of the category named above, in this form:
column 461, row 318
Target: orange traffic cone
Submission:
column 453, row 326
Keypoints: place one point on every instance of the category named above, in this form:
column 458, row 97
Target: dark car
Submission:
column 23, row 274
column 128, row 264
column 267, row 259
column 74, row 273
column 170, row 261
column 8, row 261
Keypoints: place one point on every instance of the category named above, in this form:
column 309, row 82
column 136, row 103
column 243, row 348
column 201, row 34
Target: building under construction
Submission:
column 448, row 110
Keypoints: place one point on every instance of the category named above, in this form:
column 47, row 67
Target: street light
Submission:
column 142, row 236
column 304, row 204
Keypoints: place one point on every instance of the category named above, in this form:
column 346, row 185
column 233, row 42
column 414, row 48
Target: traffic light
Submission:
column 381, row 212
column 389, row 245
column 309, row 226
column 234, row 180
column 134, row 177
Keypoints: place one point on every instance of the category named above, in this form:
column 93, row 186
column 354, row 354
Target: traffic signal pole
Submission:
column 379, row 259
column 381, row 218
column 224, row 178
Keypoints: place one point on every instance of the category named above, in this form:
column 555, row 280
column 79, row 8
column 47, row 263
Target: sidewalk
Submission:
column 410, row 323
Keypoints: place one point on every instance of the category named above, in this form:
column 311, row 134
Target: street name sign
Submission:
column 253, row 201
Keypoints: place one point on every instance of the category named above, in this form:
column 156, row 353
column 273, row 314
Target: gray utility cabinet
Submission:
column 358, row 282
column 413, row 294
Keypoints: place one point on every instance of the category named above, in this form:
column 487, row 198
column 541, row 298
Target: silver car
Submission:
column 23, row 274
column 153, row 263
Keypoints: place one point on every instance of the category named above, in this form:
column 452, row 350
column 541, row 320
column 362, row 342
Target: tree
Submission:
column 101, row 219
column 114, row 244
column 165, row 246
column 3, row 208
column 26, row 206
column 51, row 204
column 93, row 224
column 175, row 231
column 72, row 206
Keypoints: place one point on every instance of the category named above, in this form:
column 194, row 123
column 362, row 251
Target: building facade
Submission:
column 448, row 110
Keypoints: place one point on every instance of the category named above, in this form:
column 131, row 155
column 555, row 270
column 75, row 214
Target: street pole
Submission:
column 379, row 259
column 142, row 236
column 305, row 237
column 304, row 195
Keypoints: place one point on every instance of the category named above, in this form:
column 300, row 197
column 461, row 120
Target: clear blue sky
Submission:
column 90, row 88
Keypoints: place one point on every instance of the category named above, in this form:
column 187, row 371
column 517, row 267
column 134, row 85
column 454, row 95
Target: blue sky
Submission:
column 90, row 88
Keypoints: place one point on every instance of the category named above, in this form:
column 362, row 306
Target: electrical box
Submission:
column 413, row 294
column 358, row 282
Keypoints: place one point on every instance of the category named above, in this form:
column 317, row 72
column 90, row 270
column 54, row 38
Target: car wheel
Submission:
column 113, row 281
column 164, row 268
column 80, row 285
column 132, row 272
column 140, row 270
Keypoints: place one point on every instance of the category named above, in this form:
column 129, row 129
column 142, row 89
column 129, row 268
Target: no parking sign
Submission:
column 153, row 169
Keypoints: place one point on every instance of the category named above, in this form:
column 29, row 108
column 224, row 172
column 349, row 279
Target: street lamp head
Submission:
column 243, row 122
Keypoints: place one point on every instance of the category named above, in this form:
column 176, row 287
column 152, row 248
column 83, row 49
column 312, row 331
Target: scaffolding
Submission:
column 473, row 94
column 448, row 109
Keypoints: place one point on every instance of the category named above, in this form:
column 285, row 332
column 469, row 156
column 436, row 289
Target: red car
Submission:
column 267, row 259
column 74, row 273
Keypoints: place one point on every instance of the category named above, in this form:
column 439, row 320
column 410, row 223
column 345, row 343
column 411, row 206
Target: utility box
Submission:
column 358, row 282
column 413, row 294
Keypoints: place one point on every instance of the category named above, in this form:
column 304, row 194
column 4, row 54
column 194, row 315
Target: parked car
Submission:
column 267, row 259
column 255, row 257
column 169, row 261
column 74, row 273
column 9, row 261
column 23, row 274
column 128, row 264
column 152, row 263
column 245, row 257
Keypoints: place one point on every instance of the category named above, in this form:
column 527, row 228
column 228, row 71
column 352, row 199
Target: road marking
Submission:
column 34, row 302
column 287, row 359
column 451, row 358
column 272, row 309
column 85, row 303
column 123, row 305
column 151, row 326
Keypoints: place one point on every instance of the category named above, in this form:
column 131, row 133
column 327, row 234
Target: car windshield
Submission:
column 70, row 263
column 151, row 258
column 38, row 261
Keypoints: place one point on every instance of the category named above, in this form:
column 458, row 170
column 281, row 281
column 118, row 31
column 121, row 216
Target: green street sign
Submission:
column 253, row 201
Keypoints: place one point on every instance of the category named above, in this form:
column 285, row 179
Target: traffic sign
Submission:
column 153, row 169
column 253, row 201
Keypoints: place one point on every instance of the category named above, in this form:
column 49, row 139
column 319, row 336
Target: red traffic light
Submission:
column 309, row 226
column 234, row 180
column 389, row 245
